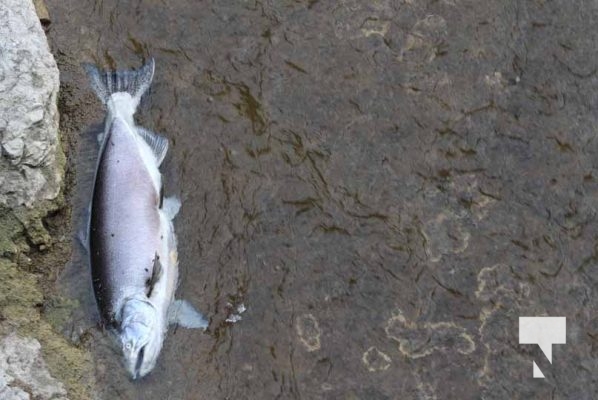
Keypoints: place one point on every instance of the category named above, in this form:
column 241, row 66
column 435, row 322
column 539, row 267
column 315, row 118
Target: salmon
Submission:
column 131, row 239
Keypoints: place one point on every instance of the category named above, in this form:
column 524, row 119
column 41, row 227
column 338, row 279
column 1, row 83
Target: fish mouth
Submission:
column 139, row 363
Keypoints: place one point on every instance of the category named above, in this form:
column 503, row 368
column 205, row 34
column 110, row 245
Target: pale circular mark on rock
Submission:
column 308, row 331
column 444, row 235
column 375, row 27
column 426, row 391
column 421, row 339
column 432, row 26
column 375, row 360
column 497, row 284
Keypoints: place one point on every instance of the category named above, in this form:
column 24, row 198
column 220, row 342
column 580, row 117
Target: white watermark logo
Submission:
column 543, row 331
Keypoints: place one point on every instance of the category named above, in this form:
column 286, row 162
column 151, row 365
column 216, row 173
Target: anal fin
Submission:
column 171, row 206
column 181, row 312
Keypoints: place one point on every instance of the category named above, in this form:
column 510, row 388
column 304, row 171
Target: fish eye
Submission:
column 128, row 346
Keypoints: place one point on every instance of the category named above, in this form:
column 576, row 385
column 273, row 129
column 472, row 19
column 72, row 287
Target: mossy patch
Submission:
column 58, row 311
column 71, row 365
column 17, row 287
column 10, row 228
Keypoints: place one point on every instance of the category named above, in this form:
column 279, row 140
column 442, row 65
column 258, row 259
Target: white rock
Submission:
column 29, row 84
column 23, row 372
column 13, row 148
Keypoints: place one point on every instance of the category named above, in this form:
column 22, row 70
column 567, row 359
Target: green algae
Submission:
column 10, row 228
column 58, row 311
column 17, row 288
column 71, row 365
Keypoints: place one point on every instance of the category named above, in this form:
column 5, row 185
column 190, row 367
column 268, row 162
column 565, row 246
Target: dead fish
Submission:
column 131, row 239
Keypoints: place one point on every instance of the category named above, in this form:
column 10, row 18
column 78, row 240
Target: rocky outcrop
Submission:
column 36, row 362
column 23, row 371
column 30, row 167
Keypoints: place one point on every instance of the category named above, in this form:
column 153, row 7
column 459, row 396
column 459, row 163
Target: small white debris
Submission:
column 235, row 317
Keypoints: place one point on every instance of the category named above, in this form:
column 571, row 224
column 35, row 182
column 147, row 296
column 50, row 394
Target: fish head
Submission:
column 141, row 336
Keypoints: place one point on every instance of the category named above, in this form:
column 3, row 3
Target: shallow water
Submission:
column 386, row 186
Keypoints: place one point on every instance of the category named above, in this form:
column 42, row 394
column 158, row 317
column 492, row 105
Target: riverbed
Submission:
column 386, row 186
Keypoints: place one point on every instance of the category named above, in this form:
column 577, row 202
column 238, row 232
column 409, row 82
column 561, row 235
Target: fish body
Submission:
column 131, row 238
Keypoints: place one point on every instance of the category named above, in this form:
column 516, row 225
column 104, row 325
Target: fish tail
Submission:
column 134, row 81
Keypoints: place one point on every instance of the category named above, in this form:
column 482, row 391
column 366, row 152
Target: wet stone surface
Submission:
column 387, row 186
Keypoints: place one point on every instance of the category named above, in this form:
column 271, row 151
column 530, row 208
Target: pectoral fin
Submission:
column 156, row 275
column 184, row 314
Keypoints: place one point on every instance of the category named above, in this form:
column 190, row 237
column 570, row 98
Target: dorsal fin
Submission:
column 158, row 143
column 156, row 274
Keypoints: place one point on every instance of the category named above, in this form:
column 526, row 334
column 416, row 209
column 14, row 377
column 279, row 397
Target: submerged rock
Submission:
column 30, row 167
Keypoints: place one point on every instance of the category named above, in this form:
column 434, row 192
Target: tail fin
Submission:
column 135, row 82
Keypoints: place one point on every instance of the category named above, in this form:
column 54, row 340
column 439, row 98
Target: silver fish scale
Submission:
column 125, row 222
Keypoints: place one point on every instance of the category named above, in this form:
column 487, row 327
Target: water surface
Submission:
column 386, row 185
